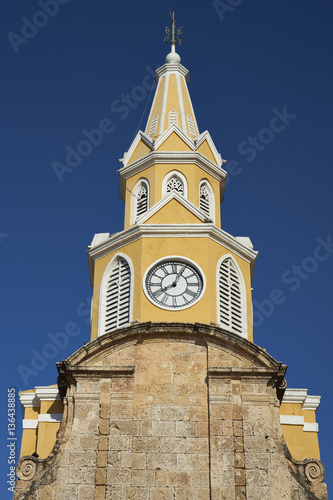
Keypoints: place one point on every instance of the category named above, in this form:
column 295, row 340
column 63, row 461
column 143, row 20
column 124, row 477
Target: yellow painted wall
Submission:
column 174, row 213
column 301, row 444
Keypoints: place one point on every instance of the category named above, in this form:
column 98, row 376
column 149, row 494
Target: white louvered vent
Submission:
column 191, row 125
column 142, row 200
column 118, row 296
column 173, row 117
column 230, row 297
column 153, row 125
column 175, row 184
column 204, row 202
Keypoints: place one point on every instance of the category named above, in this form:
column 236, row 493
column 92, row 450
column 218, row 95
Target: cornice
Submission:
column 172, row 68
column 201, row 230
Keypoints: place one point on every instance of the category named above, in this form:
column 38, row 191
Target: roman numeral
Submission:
column 191, row 293
column 174, row 268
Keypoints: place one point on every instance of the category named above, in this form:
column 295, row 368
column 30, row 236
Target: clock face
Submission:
column 174, row 284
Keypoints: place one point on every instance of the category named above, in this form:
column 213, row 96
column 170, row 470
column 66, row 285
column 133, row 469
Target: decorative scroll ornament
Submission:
column 314, row 472
column 26, row 470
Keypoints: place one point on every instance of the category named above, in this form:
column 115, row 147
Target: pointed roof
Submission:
column 172, row 103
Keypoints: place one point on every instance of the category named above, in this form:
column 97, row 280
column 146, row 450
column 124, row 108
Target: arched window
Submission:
column 206, row 199
column 173, row 117
column 140, row 199
column 231, row 303
column 175, row 181
column 115, row 296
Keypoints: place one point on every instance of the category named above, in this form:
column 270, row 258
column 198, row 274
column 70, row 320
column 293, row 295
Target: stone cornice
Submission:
column 135, row 232
column 176, row 329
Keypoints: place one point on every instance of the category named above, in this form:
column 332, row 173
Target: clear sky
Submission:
column 260, row 82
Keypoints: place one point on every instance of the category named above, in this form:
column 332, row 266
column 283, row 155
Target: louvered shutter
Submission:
column 173, row 117
column 230, row 297
column 190, row 125
column 153, row 125
column 117, row 311
column 142, row 200
column 204, row 203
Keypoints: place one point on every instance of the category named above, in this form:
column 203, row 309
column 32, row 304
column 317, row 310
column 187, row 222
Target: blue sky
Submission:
column 249, row 62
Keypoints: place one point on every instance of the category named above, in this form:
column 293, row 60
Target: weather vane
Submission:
column 174, row 33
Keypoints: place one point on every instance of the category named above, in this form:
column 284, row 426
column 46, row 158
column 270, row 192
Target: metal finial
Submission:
column 173, row 35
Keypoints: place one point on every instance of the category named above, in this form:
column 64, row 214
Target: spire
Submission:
column 172, row 103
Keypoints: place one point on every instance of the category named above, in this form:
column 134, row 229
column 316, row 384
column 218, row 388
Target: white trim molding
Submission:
column 29, row 400
column 299, row 420
column 47, row 393
column 29, row 423
column 138, row 231
column 50, row 417
column 301, row 396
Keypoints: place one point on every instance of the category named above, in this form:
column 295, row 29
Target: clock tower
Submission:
column 171, row 399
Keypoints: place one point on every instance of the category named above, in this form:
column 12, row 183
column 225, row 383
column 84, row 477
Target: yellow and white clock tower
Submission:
column 171, row 398
column 172, row 182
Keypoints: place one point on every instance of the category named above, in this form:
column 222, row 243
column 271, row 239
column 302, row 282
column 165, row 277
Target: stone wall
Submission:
column 173, row 412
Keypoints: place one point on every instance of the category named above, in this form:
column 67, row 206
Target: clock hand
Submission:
column 179, row 274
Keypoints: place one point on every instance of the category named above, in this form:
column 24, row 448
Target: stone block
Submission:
column 147, row 444
column 103, row 443
column 172, row 445
column 88, row 442
column 113, row 492
column 80, row 475
column 119, row 443
column 119, row 475
column 138, row 461
column 220, row 411
column 197, row 445
column 160, row 493
column 164, row 428
column 143, row 478
column 257, row 460
column 100, row 476
column 161, row 460
column 104, row 426
column 186, row 429
column 99, row 493
column 102, row 459
column 135, row 493
column 237, row 428
column 82, row 458
column 240, row 477
column 104, row 410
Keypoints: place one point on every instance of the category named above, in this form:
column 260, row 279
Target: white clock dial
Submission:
column 173, row 284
